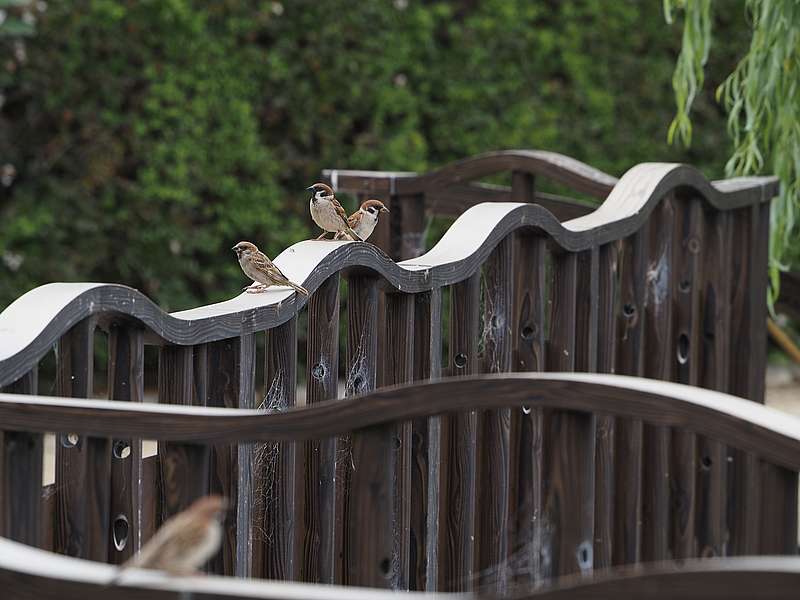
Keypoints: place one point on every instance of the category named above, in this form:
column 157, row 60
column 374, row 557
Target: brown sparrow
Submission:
column 363, row 221
column 261, row 270
column 185, row 542
column 327, row 213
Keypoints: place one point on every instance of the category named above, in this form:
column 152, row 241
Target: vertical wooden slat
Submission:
column 370, row 557
column 125, row 383
column 21, row 475
column 685, row 286
column 83, row 465
column 605, row 427
column 495, row 426
column 411, row 242
column 628, row 440
column 747, row 370
column 457, row 484
column 398, row 368
column 319, row 456
column 426, row 447
column 778, row 524
column 278, row 477
column 659, row 364
column 714, row 374
column 361, row 371
column 526, row 453
column 568, row 443
column 231, row 373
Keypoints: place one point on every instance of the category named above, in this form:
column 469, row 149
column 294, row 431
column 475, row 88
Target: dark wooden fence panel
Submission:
column 21, row 476
column 125, row 383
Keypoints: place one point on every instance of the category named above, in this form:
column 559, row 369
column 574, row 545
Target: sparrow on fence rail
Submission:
column 258, row 267
column 185, row 542
column 364, row 220
column 327, row 213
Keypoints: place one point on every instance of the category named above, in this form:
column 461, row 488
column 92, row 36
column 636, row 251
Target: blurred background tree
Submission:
column 139, row 140
column 762, row 98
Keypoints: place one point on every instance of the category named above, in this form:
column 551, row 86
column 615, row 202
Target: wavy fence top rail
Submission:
column 35, row 321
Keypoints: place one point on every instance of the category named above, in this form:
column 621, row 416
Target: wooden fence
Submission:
column 543, row 519
column 664, row 280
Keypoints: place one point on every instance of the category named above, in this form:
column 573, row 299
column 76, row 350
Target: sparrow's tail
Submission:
column 297, row 288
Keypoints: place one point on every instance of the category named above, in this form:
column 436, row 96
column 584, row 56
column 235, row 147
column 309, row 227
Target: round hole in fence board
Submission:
column 629, row 310
column 528, row 332
column 398, row 443
column 706, row 462
column 683, row 348
column 120, row 532
column 122, row 449
column 384, row 566
column 460, row 360
column 585, row 556
column 685, row 285
column 694, row 245
column 526, row 410
column 70, row 440
column 318, row 371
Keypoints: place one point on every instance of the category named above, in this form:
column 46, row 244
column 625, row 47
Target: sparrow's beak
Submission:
column 384, row 209
column 233, row 248
column 310, row 188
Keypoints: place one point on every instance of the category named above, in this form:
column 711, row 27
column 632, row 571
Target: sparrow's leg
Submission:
column 256, row 289
column 322, row 237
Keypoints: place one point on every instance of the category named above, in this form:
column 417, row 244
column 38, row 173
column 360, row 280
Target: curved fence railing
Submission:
column 502, row 512
column 664, row 280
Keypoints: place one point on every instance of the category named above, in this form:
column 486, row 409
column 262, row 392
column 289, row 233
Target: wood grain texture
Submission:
column 458, row 468
column 278, row 477
column 83, row 464
column 39, row 318
column 361, row 374
column 605, row 427
column 126, row 384
column 659, row 363
column 322, row 360
column 426, row 447
column 778, row 526
column 628, row 434
column 21, row 475
column 495, row 426
column 398, row 368
column 568, row 444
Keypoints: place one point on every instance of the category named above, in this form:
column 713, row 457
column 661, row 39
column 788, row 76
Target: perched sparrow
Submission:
column 185, row 542
column 261, row 269
column 363, row 221
column 327, row 213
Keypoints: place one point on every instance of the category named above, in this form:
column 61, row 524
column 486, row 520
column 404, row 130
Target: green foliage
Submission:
column 762, row 97
column 143, row 139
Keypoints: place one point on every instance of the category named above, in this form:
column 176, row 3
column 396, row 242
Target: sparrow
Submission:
column 185, row 542
column 363, row 221
column 258, row 267
column 327, row 213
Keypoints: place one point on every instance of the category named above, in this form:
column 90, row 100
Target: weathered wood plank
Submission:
column 457, row 492
column 408, row 241
column 628, row 434
column 714, row 374
column 426, row 447
column 495, row 426
column 21, row 475
column 319, row 456
column 83, row 464
column 605, row 427
column 568, row 445
column 659, row 364
column 278, row 478
column 526, row 452
column 361, row 371
column 125, row 383
column 399, row 368
column 778, row 526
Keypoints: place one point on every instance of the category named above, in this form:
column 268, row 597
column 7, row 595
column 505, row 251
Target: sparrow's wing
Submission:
column 339, row 210
column 354, row 219
column 268, row 269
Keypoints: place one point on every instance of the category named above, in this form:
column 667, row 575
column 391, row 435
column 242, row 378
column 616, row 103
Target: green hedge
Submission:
column 145, row 138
